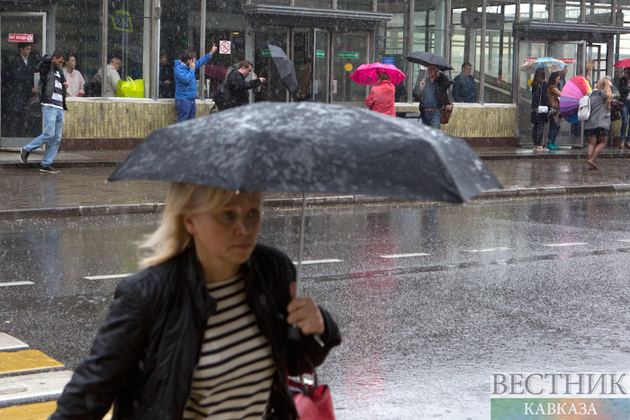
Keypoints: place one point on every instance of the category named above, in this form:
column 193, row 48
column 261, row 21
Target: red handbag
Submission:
column 313, row 401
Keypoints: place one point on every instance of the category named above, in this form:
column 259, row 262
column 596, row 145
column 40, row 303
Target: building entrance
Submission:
column 310, row 51
column 23, row 41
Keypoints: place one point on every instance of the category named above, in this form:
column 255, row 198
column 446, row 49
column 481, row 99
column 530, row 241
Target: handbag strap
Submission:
column 304, row 387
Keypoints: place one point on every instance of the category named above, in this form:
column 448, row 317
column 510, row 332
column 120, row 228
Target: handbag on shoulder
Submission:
column 313, row 401
column 445, row 113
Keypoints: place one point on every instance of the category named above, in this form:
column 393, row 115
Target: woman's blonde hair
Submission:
column 602, row 84
column 171, row 237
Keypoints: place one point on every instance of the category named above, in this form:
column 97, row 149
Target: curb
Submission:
column 62, row 164
column 342, row 200
column 613, row 154
column 552, row 156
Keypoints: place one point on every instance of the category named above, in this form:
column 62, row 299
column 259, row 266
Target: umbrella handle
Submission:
column 298, row 274
column 294, row 332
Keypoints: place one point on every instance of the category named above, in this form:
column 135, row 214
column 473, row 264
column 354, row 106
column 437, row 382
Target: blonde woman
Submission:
column 597, row 126
column 202, row 330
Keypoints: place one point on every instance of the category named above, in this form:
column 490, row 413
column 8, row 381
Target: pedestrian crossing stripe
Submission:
column 417, row 254
column 39, row 411
column 107, row 276
column 567, row 244
column 25, row 360
column 15, row 283
column 27, row 376
column 308, row 262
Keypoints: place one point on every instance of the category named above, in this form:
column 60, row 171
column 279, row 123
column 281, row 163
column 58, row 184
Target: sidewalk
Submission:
column 81, row 187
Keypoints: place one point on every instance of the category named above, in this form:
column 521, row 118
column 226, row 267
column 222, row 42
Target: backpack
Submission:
column 222, row 96
column 584, row 111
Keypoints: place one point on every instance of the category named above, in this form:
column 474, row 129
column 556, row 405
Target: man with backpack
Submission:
column 233, row 92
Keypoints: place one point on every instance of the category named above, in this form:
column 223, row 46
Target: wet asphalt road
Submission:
column 500, row 291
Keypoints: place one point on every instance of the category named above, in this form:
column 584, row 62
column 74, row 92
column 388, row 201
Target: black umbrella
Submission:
column 285, row 67
column 429, row 59
column 311, row 147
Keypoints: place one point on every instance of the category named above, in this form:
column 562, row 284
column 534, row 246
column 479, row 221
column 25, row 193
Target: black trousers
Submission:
column 537, row 133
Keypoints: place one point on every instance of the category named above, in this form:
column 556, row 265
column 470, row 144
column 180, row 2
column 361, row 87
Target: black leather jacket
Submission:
column 238, row 87
column 145, row 354
column 442, row 83
column 47, row 80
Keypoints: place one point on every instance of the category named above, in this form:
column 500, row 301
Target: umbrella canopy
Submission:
column 548, row 63
column 429, row 59
column 367, row 74
column 216, row 72
column 285, row 67
column 311, row 148
column 622, row 63
column 576, row 88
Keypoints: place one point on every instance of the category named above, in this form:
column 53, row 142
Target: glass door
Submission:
column 596, row 62
column 349, row 51
column 23, row 42
column 274, row 90
column 311, row 51
column 321, row 66
column 303, row 60
column 571, row 54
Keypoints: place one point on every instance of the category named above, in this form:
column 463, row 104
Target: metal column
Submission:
column 104, row 48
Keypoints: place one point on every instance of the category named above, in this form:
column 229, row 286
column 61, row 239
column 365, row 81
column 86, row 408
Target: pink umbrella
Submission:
column 367, row 74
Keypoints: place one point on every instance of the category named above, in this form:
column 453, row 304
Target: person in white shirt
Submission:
column 74, row 78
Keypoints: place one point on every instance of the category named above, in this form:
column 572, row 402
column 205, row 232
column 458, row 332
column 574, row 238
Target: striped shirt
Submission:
column 235, row 372
column 57, row 97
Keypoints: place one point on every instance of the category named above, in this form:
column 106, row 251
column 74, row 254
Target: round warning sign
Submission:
column 225, row 47
column 348, row 67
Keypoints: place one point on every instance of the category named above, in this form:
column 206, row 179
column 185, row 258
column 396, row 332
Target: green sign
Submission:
column 319, row 53
column 346, row 54
column 266, row 53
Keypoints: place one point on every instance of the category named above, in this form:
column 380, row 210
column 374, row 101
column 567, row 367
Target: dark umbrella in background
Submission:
column 429, row 59
column 285, row 67
column 310, row 147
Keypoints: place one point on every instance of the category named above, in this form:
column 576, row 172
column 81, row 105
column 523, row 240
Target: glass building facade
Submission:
column 327, row 40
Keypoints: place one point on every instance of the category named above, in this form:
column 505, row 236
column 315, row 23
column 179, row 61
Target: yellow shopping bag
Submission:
column 130, row 88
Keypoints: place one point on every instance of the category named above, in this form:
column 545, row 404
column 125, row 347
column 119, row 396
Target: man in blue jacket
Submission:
column 186, row 83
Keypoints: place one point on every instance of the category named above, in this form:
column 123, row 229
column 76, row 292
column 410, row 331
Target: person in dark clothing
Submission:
column 237, row 86
column 433, row 96
column 464, row 87
column 53, row 100
column 5, row 93
column 203, row 329
column 167, row 77
column 623, row 86
column 563, row 78
column 22, row 88
column 539, row 116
